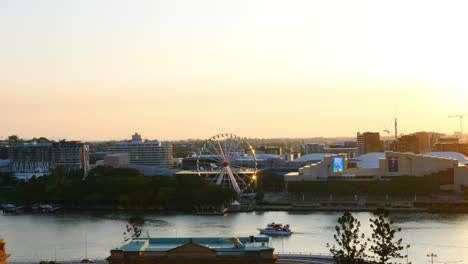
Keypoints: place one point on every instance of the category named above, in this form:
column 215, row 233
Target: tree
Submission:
column 7, row 179
column 13, row 139
column 351, row 250
column 134, row 228
column 385, row 247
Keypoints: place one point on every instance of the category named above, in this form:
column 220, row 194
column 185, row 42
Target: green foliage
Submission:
column 398, row 186
column 106, row 186
column 384, row 246
column 350, row 249
column 181, row 151
column 7, row 179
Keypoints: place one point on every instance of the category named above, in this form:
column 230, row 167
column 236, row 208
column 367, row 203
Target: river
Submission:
column 63, row 235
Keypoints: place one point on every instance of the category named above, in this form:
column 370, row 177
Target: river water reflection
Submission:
column 36, row 237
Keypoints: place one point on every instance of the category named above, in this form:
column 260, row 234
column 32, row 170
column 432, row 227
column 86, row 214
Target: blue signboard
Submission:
column 338, row 164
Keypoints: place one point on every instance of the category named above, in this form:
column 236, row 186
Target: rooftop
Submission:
column 462, row 159
column 313, row 157
column 370, row 160
column 219, row 244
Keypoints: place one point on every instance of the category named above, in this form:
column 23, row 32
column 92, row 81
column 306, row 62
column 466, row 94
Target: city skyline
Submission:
column 178, row 69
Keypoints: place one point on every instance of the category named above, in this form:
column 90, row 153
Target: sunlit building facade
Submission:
column 145, row 153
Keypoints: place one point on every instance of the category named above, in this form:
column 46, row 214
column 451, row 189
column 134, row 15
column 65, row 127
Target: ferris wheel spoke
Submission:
column 237, row 167
column 216, row 156
column 215, row 151
column 226, row 149
column 231, row 143
column 242, row 184
column 220, row 177
column 233, row 180
column 212, row 146
column 233, row 152
column 242, row 172
column 240, row 178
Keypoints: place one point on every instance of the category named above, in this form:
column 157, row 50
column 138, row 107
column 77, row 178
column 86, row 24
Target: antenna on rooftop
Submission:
column 396, row 129
column 461, row 124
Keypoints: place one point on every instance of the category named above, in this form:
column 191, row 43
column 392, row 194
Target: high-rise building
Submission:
column 147, row 153
column 32, row 158
column 74, row 155
column 136, row 138
column 368, row 142
column 420, row 142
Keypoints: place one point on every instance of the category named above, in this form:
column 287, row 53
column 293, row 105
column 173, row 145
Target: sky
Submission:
column 176, row 69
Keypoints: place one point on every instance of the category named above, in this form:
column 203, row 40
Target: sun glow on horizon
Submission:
column 185, row 69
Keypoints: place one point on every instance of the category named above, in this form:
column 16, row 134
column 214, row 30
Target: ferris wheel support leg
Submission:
column 220, row 178
column 233, row 180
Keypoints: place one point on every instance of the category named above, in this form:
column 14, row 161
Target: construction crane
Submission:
column 461, row 123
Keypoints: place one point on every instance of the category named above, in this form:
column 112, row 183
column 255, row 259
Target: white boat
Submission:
column 276, row 229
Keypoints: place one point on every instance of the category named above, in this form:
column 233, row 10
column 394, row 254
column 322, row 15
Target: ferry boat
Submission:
column 11, row 208
column 45, row 208
column 276, row 229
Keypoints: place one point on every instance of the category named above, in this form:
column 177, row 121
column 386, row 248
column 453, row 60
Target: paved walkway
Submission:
column 296, row 258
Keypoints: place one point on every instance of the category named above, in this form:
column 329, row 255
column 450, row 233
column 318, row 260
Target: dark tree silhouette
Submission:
column 384, row 245
column 350, row 248
column 13, row 139
column 134, row 228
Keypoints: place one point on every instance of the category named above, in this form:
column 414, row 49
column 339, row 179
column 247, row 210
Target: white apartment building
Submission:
column 146, row 153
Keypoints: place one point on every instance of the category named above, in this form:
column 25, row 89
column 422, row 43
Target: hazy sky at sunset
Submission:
column 190, row 69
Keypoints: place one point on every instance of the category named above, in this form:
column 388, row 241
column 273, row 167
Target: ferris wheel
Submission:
column 228, row 160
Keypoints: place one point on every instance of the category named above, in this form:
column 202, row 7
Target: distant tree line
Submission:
column 107, row 186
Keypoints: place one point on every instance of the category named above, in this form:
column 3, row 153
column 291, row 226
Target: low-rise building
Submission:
column 310, row 148
column 242, row 250
column 269, row 150
column 392, row 164
column 117, row 160
column 451, row 144
column 351, row 152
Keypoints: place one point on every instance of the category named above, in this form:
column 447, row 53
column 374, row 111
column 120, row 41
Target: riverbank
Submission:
column 302, row 208
column 439, row 208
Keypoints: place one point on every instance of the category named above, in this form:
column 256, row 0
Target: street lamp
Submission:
column 432, row 256
column 407, row 253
